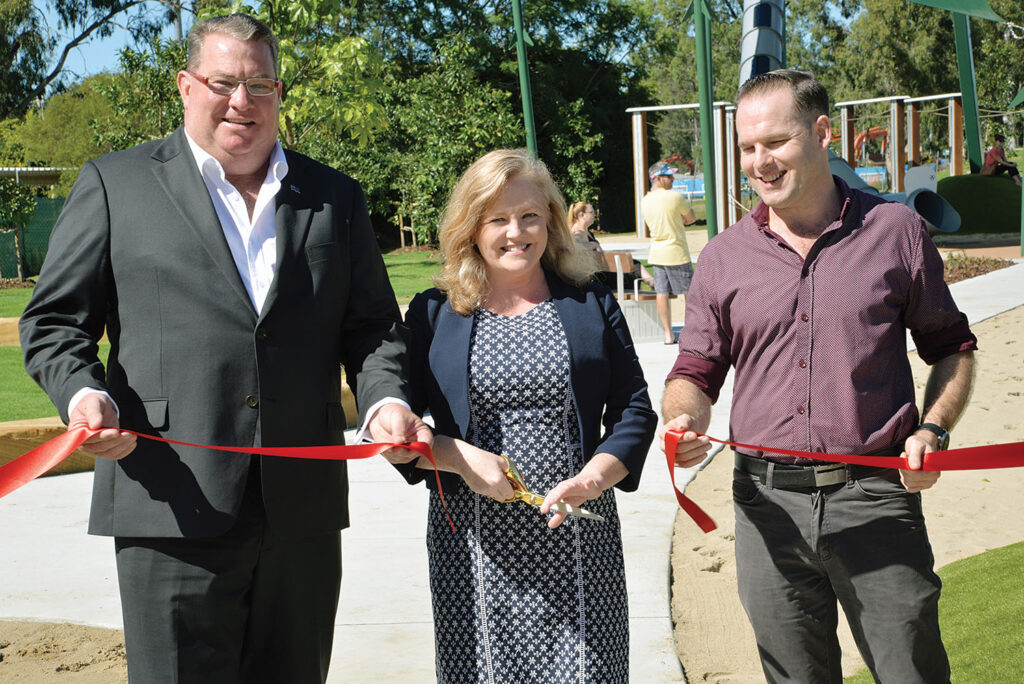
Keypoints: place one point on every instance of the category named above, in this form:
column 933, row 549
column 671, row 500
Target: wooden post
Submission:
column 956, row 137
column 914, row 126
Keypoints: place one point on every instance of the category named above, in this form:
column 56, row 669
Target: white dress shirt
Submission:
column 253, row 242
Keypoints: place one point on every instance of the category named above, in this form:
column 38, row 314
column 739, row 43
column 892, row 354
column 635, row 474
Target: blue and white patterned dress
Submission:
column 515, row 602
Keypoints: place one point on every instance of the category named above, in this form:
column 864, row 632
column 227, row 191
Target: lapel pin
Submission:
column 296, row 190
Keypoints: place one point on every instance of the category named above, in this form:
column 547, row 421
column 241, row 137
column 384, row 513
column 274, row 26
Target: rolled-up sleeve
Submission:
column 938, row 327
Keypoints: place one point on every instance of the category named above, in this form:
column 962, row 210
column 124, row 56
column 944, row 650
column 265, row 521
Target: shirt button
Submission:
column 800, row 410
column 804, row 318
column 252, row 401
column 803, row 364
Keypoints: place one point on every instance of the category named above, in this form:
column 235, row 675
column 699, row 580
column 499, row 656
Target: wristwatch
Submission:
column 939, row 432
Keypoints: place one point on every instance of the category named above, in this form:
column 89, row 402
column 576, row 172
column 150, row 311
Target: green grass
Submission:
column 13, row 301
column 20, row 396
column 411, row 272
column 981, row 614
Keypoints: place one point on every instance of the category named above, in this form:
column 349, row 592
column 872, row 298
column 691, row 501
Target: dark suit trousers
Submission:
column 248, row 606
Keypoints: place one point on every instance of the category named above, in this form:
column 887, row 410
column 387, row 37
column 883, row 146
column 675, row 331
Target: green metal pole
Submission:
column 524, row 78
column 965, row 65
column 705, row 94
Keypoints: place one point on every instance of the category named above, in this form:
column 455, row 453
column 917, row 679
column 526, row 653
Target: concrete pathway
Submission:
column 51, row 570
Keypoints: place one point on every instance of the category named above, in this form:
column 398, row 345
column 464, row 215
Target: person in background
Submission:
column 232, row 278
column 996, row 163
column 810, row 297
column 516, row 353
column 581, row 216
column 667, row 214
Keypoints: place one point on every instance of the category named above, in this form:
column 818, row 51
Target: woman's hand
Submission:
column 600, row 473
column 483, row 471
column 574, row 492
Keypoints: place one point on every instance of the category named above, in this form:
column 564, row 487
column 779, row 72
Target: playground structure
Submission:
column 902, row 138
column 762, row 50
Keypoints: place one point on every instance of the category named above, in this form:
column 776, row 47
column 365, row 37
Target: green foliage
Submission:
column 17, row 202
column 331, row 81
column 143, row 97
column 60, row 135
column 981, row 614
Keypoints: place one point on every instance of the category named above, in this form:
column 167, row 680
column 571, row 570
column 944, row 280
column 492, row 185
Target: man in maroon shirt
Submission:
column 809, row 297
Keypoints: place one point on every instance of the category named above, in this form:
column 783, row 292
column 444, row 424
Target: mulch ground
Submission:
column 10, row 283
column 960, row 267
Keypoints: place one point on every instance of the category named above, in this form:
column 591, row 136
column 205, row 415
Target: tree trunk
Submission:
column 17, row 252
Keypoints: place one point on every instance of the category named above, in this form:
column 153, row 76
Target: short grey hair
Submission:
column 237, row 26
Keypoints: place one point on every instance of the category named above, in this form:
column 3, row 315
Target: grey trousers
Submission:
column 862, row 543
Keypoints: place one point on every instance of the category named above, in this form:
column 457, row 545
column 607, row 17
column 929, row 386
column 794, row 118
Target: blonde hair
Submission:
column 464, row 278
column 575, row 210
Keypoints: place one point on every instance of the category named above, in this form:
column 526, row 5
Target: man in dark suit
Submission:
column 232, row 278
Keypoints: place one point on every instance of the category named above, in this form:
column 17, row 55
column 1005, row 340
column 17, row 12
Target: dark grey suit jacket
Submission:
column 138, row 250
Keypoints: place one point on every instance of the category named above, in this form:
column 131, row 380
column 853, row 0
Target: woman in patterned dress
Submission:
column 517, row 353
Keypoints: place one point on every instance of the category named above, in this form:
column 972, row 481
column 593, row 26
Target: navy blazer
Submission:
column 605, row 375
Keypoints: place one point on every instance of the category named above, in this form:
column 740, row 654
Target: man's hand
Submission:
column 692, row 448
column 96, row 411
column 396, row 424
column 918, row 444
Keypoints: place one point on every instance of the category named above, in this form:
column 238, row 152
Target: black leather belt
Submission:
column 786, row 476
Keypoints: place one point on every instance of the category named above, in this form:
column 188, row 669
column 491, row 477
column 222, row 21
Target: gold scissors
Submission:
column 520, row 492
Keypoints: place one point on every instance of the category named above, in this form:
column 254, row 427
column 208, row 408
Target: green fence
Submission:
column 34, row 238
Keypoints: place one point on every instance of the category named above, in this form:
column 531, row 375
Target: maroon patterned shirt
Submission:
column 819, row 345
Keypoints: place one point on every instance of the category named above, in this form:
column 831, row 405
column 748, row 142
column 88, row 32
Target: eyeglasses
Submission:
column 257, row 87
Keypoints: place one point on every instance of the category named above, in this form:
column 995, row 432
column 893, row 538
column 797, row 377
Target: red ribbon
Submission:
column 968, row 458
column 31, row 465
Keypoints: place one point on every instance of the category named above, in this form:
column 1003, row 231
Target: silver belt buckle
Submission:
column 827, row 475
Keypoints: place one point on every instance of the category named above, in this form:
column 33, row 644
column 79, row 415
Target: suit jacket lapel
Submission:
column 179, row 176
column 293, row 218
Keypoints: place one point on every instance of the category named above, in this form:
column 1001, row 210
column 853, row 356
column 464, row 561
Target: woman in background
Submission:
column 516, row 353
column 581, row 216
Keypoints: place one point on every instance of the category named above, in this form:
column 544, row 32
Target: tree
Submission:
column 17, row 204
column 33, row 55
column 143, row 96
column 331, row 80
column 60, row 134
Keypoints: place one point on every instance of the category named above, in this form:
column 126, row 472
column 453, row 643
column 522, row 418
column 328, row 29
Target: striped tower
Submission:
column 763, row 47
